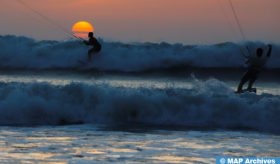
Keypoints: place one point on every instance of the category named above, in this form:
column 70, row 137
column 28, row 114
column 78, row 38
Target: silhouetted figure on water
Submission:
column 255, row 65
column 92, row 42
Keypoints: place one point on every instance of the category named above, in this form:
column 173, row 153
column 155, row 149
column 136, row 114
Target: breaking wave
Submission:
column 210, row 105
column 26, row 53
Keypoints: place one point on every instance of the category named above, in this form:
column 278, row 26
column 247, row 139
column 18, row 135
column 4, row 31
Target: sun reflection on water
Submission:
column 70, row 144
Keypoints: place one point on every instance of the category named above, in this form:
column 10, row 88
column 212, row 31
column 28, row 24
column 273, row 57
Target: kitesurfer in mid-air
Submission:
column 255, row 64
column 92, row 42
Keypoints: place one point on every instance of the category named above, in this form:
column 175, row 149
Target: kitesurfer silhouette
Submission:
column 92, row 42
column 255, row 65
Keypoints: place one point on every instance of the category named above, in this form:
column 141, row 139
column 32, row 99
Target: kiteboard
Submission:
column 252, row 90
column 83, row 62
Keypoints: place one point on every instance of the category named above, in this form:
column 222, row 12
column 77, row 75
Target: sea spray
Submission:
column 26, row 53
column 210, row 104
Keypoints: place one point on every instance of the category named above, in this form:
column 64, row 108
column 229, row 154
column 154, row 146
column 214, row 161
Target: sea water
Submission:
column 84, row 118
column 89, row 144
column 134, row 103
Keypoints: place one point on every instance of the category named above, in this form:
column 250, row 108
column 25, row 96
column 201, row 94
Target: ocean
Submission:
column 134, row 103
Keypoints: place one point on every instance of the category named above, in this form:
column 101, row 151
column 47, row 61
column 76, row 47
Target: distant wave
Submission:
column 26, row 53
column 209, row 105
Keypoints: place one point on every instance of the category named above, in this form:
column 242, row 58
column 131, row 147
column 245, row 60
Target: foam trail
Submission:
column 26, row 53
column 210, row 105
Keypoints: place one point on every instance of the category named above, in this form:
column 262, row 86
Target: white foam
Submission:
column 25, row 53
column 209, row 105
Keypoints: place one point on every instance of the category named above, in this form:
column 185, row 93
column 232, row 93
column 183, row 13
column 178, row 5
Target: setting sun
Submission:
column 82, row 28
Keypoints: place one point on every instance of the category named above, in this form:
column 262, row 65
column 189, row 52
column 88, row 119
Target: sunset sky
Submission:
column 183, row 21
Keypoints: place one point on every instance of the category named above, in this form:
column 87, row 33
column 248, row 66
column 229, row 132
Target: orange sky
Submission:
column 185, row 21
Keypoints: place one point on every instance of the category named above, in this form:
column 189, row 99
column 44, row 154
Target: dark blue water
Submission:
column 84, row 118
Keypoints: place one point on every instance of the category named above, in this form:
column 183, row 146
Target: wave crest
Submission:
column 209, row 105
column 26, row 53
